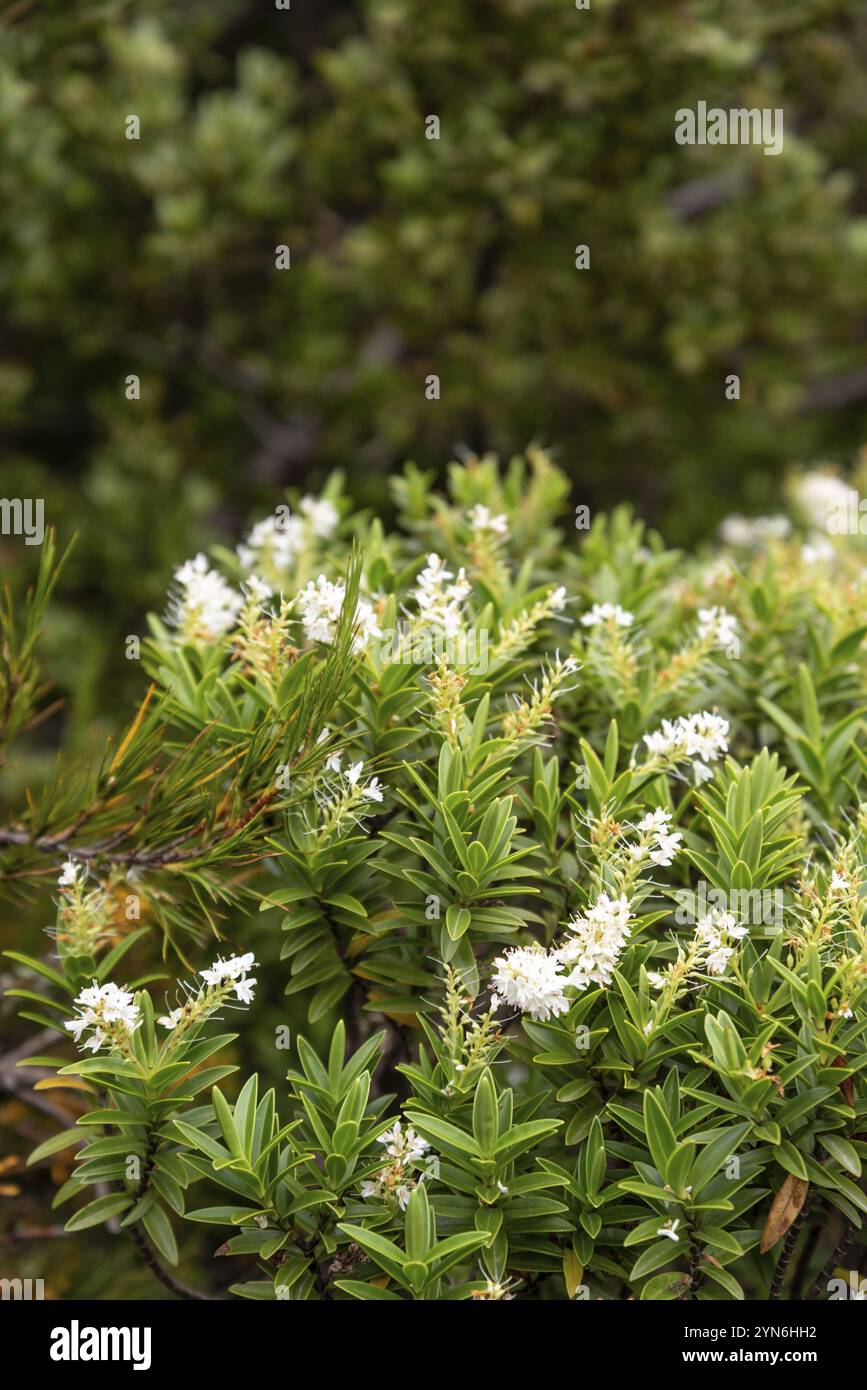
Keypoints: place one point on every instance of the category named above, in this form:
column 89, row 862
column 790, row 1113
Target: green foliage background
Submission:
column 306, row 127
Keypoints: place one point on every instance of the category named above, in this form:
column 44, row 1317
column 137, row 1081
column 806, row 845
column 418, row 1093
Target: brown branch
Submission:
column 827, row 1270
column 159, row 1272
column 786, row 1254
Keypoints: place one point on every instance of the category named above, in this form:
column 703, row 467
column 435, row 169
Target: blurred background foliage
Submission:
column 306, row 127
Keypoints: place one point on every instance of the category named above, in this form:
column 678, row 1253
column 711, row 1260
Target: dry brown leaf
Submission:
column 784, row 1209
column 847, row 1085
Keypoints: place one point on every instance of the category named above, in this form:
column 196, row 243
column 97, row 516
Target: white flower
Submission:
column 667, row 847
column 719, row 625
column 256, row 589
column 701, row 736
column 817, row 550
column 557, row 599
column 481, row 520
column 405, row 1150
column 322, row 515
column 353, row 774
column 655, row 979
column 373, row 790
column 529, row 979
column 439, row 601
column 754, row 531
column 105, row 1008
column 670, row 1229
column 231, row 969
column 820, row 494
column 78, row 1024
column 72, row 874
column 275, row 542
column 171, row 1019
column 598, row 938
column 839, row 883
column 321, row 603
column 709, row 929
column 716, row 962
column 244, row 990
column 664, row 844
column 607, row 613
column 710, row 938
column 203, row 606
column 406, row 1147
column 333, row 761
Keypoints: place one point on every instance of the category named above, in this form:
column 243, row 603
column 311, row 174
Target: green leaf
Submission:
column 840, row 1149
column 158, row 1227
column 418, row 1225
column 56, row 1144
column 485, row 1114
column 661, row 1138
column 373, row 1292
column 458, row 920
column 97, row 1212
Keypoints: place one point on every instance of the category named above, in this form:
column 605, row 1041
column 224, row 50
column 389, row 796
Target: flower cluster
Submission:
column 346, row 800
column 276, row 543
column 534, row 980
column 440, row 594
column 272, row 545
column 222, row 979
column 203, row 606
column 86, row 917
column 753, row 532
column 608, row 615
column 712, row 934
column 710, row 951
column 531, row 979
column 481, row 518
column 657, row 842
column 818, row 494
column 531, row 714
column 410, row 1163
column 111, row 1012
column 717, row 626
column 263, row 641
column 598, row 937
column 702, row 738
column 321, row 603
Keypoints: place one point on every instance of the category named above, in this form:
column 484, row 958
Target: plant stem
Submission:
column 827, row 1270
column 786, row 1254
column 166, row 1279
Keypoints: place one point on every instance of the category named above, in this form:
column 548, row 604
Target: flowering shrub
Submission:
column 561, row 838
